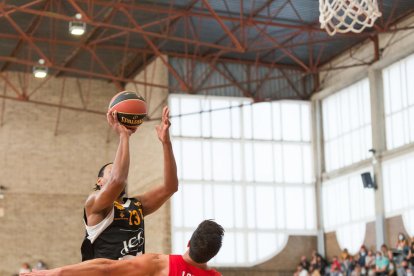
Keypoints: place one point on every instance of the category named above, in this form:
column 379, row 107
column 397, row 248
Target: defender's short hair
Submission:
column 206, row 241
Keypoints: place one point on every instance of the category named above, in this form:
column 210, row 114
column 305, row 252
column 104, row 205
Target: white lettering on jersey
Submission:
column 186, row 274
column 133, row 242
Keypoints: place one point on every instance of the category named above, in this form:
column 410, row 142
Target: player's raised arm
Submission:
column 157, row 196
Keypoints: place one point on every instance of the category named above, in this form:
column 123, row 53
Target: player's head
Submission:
column 103, row 175
column 206, row 241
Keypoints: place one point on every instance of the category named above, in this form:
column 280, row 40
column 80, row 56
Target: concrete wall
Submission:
column 283, row 263
column 394, row 226
column 49, row 170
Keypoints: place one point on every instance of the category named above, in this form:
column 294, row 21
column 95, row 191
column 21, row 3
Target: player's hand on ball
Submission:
column 116, row 126
column 163, row 127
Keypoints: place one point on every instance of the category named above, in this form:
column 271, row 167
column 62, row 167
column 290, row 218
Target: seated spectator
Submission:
column 313, row 271
column 403, row 247
column 321, row 264
column 345, row 261
column 344, row 254
column 357, row 271
column 402, row 270
column 24, row 268
column 348, row 265
column 301, row 271
column 392, row 267
column 410, row 256
column 304, row 262
column 361, row 258
column 372, row 271
column 402, row 244
column 381, row 264
column 369, row 261
column 336, row 267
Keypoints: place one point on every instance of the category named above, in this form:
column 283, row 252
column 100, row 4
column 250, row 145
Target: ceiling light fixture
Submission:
column 77, row 27
column 40, row 71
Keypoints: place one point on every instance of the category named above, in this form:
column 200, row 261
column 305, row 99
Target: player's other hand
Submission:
column 164, row 126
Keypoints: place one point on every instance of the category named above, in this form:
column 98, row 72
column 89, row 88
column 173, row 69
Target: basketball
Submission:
column 131, row 108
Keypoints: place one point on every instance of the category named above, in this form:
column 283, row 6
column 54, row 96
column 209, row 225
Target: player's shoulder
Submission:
column 91, row 198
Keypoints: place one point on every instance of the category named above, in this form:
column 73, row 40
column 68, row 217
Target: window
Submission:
column 347, row 126
column 398, row 189
column 347, row 206
column 249, row 167
column 399, row 102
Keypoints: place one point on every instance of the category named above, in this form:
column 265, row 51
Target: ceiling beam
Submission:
column 229, row 33
column 29, row 31
column 81, row 72
column 136, row 64
column 91, row 35
column 25, row 37
column 124, row 28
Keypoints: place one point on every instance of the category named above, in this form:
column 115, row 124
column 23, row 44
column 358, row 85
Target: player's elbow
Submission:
column 173, row 187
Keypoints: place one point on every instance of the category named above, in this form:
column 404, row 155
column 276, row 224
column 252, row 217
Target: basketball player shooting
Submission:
column 204, row 244
column 114, row 223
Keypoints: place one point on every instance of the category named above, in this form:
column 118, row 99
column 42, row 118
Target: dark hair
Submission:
column 100, row 174
column 206, row 241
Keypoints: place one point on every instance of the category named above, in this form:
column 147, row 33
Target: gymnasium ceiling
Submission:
column 122, row 37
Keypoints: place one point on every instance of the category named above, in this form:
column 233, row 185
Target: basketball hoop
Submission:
column 344, row 16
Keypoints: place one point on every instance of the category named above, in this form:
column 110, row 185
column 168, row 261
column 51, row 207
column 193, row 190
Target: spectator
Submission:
column 402, row 244
column 369, row 262
column 361, row 258
column 321, row 264
column 344, row 255
column 301, row 271
column 402, row 270
column 381, row 264
column 24, row 268
column 335, row 267
column 372, row 271
column 304, row 262
column 348, row 265
column 313, row 271
column 357, row 271
column 392, row 267
column 410, row 256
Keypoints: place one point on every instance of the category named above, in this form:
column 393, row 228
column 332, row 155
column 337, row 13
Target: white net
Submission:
column 344, row 16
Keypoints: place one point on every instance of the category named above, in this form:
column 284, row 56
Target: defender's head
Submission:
column 206, row 241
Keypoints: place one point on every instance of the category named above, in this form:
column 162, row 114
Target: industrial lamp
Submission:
column 40, row 71
column 77, row 27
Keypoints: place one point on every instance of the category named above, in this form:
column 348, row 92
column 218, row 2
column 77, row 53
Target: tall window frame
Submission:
column 265, row 158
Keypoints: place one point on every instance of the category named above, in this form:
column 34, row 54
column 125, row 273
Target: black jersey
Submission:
column 121, row 233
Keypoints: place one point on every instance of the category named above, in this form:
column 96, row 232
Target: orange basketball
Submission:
column 131, row 108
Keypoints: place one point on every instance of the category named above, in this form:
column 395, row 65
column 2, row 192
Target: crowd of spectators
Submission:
column 398, row 261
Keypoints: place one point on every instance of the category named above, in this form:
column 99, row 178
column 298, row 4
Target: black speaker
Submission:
column 367, row 180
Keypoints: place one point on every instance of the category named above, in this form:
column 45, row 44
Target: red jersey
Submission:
column 178, row 267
